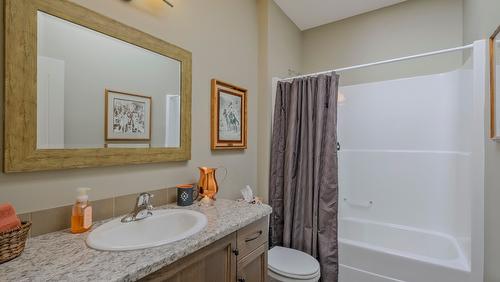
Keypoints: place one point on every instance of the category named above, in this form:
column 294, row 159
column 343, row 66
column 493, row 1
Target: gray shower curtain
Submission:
column 303, row 189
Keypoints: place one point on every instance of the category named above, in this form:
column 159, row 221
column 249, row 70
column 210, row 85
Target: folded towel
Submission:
column 8, row 218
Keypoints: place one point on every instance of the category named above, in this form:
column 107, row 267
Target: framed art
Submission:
column 228, row 116
column 127, row 117
column 494, row 81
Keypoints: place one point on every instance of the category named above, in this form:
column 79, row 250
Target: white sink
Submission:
column 163, row 227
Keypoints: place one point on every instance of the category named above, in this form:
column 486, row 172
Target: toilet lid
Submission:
column 290, row 262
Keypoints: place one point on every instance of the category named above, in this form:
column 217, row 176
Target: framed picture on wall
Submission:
column 494, row 83
column 127, row 117
column 228, row 116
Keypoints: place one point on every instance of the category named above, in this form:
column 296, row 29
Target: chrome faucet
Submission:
column 142, row 208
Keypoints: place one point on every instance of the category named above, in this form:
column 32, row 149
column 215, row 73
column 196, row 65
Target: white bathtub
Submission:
column 380, row 252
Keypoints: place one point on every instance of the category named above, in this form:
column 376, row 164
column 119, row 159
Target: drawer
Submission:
column 252, row 236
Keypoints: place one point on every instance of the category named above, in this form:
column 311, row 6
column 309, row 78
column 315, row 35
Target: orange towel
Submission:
column 8, row 218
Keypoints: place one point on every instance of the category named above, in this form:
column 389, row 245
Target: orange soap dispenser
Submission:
column 81, row 216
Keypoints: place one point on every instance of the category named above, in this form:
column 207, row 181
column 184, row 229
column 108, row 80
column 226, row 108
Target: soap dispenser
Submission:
column 81, row 216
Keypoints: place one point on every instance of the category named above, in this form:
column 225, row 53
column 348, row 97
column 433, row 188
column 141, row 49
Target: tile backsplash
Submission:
column 55, row 219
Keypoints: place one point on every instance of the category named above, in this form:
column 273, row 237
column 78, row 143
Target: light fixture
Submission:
column 168, row 3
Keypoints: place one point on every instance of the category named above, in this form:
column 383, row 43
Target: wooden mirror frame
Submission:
column 493, row 113
column 20, row 93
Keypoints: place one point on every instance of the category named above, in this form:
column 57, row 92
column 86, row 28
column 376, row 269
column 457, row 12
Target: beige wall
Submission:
column 412, row 27
column 280, row 50
column 222, row 35
column 284, row 43
column 480, row 20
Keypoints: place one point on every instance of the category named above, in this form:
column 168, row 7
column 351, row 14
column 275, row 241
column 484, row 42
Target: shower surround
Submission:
column 410, row 178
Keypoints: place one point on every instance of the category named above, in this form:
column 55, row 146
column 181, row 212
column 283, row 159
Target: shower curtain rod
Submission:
column 384, row 62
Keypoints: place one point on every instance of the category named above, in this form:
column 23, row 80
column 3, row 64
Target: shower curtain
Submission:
column 303, row 190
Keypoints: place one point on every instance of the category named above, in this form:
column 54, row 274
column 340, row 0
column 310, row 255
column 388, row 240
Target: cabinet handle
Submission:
column 254, row 238
column 236, row 252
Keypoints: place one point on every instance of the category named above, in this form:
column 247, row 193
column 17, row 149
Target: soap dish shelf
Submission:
column 366, row 204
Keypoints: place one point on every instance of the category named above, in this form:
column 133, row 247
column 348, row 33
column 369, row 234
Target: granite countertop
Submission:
column 62, row 256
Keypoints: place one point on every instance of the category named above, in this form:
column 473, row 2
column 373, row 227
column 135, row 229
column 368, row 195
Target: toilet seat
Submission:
column 287, row 264
column 286, row 277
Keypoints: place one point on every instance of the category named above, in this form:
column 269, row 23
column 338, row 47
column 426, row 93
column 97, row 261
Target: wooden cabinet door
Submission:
column 253, row 267
column 214, row 263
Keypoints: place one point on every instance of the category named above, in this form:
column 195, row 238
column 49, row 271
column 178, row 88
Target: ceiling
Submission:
column 311, row 13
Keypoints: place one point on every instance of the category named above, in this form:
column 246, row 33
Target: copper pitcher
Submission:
column 207, row 184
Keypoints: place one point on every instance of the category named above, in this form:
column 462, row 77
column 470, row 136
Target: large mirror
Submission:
column 83, row 90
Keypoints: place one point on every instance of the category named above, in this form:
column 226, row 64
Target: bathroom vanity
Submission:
column 232, row 247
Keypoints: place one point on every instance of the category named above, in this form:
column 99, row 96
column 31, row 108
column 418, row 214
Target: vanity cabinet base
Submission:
column 240, row 256
column 215, row 262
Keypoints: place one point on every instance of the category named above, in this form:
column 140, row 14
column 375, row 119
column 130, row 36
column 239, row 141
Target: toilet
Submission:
column 289, row 265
